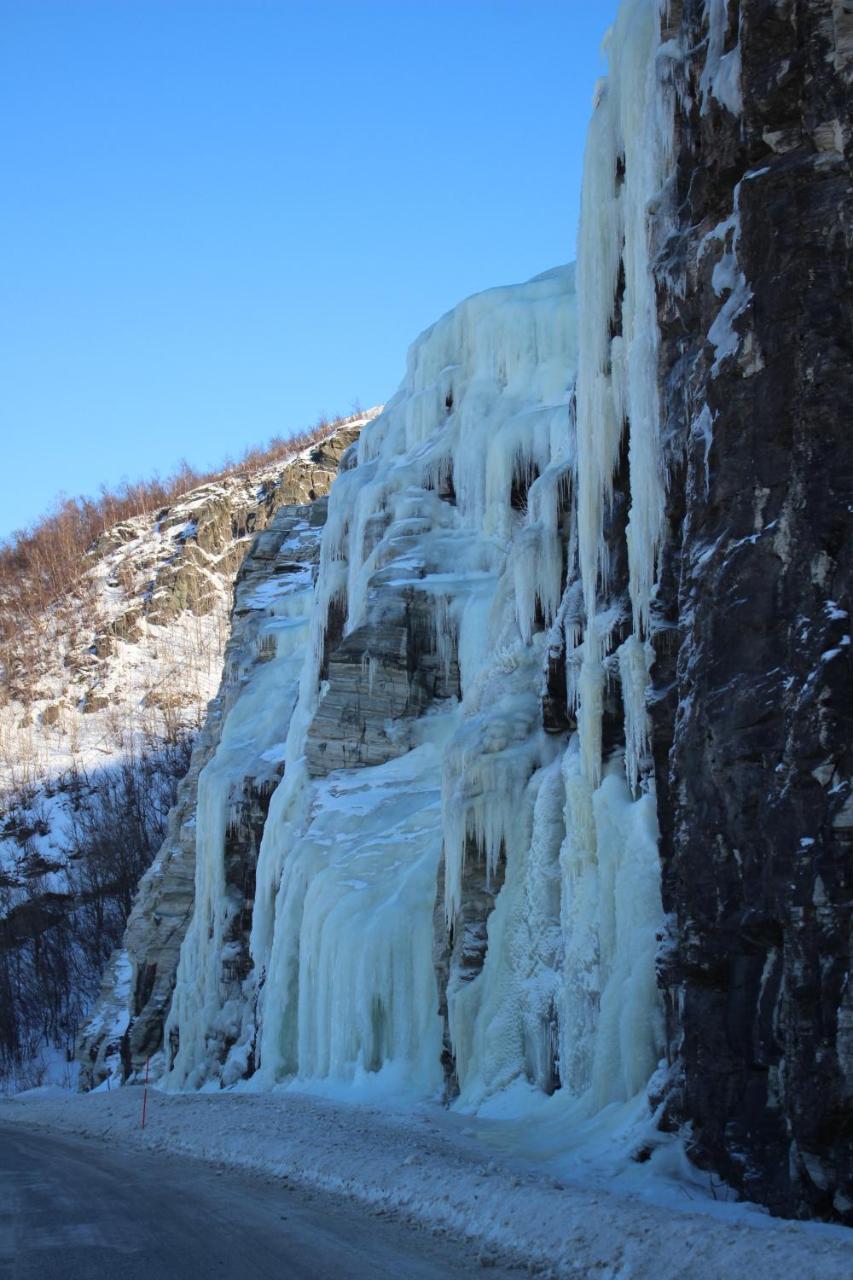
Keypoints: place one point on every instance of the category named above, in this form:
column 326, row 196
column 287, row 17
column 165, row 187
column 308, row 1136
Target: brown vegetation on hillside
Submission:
column 44, row 565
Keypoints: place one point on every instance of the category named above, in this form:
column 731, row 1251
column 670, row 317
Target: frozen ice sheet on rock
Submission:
column 477, row 501
column 350, row 987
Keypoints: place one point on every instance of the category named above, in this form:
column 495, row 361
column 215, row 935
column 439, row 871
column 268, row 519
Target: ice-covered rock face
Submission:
column 445, row 896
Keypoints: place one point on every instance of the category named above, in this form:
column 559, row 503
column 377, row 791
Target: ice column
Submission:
column 624, row 170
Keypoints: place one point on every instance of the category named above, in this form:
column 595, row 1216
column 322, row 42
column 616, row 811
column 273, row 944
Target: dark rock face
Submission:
column 752, row 705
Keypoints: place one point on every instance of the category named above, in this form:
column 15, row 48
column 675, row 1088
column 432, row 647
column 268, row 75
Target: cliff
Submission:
column 547, row 806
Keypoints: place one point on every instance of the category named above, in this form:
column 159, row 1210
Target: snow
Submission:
column 494, row 1181
column 729, row 282
column 721, row 74
column 702, row 428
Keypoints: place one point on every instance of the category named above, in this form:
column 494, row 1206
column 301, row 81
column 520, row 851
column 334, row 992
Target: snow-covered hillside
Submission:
column 134, row 657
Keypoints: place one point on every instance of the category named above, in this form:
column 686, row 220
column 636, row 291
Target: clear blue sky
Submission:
column 223, row 217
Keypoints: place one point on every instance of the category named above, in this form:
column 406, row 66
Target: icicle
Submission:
column 624, row 170
column 634, row 660
column 611, row 1024
column 503, row 1027
column 590, row 695
column 445, row 631
column 368, row 670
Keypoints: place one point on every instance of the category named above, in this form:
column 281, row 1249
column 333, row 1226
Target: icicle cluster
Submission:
column 624, row 169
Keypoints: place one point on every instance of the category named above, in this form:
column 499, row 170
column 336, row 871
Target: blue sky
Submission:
column 223, row 218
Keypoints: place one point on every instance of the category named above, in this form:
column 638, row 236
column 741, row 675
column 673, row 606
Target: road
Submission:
column 78, row 1210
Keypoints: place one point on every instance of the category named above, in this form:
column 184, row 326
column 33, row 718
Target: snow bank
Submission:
column 436, row 1169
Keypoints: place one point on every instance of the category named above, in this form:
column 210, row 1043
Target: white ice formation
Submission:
column 438, row 842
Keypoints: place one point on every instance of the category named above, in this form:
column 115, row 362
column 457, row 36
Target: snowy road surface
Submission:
column 76, row 1210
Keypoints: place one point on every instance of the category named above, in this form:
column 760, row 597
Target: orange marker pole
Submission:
column 145, row 1093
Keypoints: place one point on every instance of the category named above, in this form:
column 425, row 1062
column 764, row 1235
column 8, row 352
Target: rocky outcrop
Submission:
column 752, row 705
column 214, row 523
column 127, row 1021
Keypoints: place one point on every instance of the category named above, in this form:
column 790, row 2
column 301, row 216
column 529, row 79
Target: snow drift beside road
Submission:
column 431, row 1169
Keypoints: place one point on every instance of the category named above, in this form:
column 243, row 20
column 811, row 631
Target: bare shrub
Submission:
column 53, row 947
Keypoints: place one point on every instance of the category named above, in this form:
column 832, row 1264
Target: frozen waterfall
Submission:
column 454, row 888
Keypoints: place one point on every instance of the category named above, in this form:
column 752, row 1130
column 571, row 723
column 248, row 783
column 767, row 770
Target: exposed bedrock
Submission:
column 220, row 519
column 138, row 986
column 380, row 675
column 752, row 704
